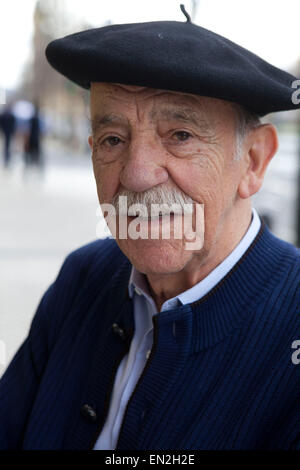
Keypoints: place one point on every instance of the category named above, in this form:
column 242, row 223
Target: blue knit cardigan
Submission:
column 220, row 374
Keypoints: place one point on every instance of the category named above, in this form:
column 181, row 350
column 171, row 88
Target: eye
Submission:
column 182, row 136
column 111, row 141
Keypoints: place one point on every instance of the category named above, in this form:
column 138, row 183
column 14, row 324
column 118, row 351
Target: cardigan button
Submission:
column 89, row 413
column 118, row 331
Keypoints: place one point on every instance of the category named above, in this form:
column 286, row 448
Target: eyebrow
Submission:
column 100, row 121
column 186, row 115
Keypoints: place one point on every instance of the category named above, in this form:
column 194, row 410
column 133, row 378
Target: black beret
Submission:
column 173, row 55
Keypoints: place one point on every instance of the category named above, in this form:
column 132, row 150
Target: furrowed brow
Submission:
column 100, row 121
column 186, row 115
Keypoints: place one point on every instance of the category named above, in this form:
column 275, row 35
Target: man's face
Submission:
column 145, row 139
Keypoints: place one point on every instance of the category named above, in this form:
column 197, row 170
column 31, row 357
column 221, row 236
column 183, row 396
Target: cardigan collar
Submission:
column 207, row 321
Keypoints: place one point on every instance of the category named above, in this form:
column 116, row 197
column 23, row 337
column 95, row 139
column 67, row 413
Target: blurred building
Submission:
column 63, row 104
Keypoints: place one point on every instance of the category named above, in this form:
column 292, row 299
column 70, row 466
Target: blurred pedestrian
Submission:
column 8, row 127
column 32, row 146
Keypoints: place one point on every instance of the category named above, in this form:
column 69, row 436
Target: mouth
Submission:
column 159, row 217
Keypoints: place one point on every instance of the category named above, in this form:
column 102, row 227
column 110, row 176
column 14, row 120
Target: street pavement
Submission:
column 46, row 214
column 43, row 216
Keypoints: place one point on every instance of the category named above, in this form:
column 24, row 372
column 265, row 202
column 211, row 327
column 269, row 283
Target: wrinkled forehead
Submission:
column 115, row 94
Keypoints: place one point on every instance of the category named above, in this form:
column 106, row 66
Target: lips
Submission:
column 156, row 217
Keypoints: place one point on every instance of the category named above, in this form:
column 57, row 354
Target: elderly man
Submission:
column 153, row 342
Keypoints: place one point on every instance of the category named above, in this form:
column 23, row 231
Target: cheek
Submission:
column 200, row 178
column 107, row 181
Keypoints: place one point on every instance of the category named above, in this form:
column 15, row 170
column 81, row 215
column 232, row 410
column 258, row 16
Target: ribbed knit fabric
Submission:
column 220, row 374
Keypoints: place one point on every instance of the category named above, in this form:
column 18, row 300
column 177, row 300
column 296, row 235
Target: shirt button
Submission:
column 138, row 291
column 89, row 413
column 148, row 353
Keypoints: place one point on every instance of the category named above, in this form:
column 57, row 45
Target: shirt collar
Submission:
column 138, row 282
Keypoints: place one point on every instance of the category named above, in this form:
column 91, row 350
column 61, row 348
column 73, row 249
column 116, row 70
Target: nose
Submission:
column 144, row 165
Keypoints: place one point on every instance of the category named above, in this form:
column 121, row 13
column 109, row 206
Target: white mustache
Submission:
column 154, row 201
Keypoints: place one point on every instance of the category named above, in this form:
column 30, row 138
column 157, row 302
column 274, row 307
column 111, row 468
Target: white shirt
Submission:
column 133, row 363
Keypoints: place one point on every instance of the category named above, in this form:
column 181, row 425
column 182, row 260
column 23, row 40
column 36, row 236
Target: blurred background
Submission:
column 48, row 201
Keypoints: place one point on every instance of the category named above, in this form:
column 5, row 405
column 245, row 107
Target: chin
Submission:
column 155, row 256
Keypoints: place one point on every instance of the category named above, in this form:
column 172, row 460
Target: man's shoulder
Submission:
column 86, row 272
column 274, row 246
column 99, row 260
column 284, row 286
column 91, row 252
column 98, row 253
column 289, row 261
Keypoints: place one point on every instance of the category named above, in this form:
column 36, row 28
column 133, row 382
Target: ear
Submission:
column 261, row 145
column 90, row 141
